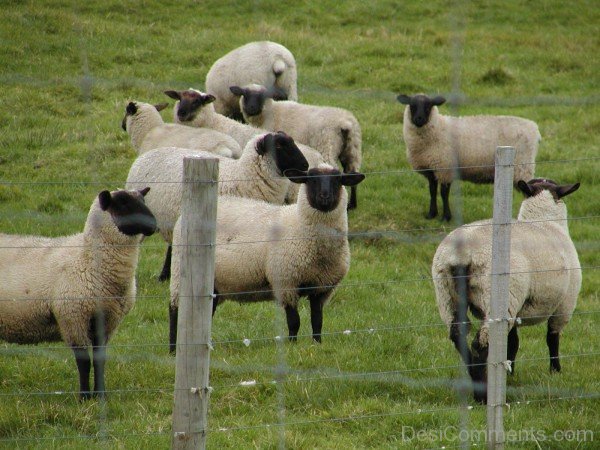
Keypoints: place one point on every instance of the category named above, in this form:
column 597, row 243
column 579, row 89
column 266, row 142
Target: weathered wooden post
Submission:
column 498, row 328
column 198, row 231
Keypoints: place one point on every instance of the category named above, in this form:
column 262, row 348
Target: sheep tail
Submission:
column 350, row 153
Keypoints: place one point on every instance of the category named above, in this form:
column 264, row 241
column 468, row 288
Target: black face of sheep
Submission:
column 284, row 150
column 190, row 102
column 420, row 107
column 253, row 100
column 128, row 211
column 324, row 185
column 537, row 185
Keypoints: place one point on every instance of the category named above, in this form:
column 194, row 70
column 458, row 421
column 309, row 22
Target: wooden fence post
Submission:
column 198, row 231
column 498, row 328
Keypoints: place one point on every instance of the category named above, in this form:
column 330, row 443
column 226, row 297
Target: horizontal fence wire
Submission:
column 239, row 180
column 267, row 292
column 248, row 341
column 350, row 418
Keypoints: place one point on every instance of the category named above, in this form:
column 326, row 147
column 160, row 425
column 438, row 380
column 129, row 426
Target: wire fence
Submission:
column 244, row 350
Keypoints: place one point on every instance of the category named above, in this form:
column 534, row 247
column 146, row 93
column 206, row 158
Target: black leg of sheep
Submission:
column 445, row 192
column 513, row 348
column 165, row 273
column 316, row 314
column 293, row 322
column 82, row 358
column 553, row 340
column 433, row 184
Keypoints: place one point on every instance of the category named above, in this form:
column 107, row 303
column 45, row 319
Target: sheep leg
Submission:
column 316, row 314
column 173, row 310
column 82, row 358
column 553, row 339
column 99, row 339
column 513, row 348
column 293, row 322
column 165, row 273
column 477, row 370
column 433, row 184
column 353, row 199
column 445, row 192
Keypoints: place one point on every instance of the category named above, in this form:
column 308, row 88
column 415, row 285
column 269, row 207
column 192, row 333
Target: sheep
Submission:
column 264, row 62
column 267, row 251
column 195, row 108
column 444, row 148
column 75, row 288
column 257, row 174
column 147, row 131
column 334, row 132
column 544, row 283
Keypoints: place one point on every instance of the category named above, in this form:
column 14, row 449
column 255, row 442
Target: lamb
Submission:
column 147, row 131
column 75, row 288
column 445, row 148
column 196, row 108
column 267, row 251
column 334, row 132
column 544, row 283
column 264, row 62
column 257, row 174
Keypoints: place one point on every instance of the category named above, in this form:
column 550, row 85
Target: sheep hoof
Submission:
column 431, row 214
column 164, row 277
column 447, row 217
column 317, row 338
column 84, row 396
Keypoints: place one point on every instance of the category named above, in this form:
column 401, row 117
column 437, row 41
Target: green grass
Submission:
column 68, row 70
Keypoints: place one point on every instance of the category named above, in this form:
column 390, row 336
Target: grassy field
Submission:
column 70, row 67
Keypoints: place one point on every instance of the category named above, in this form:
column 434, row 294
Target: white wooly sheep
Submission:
column 195, row 108
column 445, row 148
column 75, row 288
column 147, row 131
column 267, row 252
column 257, row 174
column 545, row 276
column 264, row 62
column 334, row 132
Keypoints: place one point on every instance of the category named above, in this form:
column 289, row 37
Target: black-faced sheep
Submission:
column 445, row 148
column 75, row 288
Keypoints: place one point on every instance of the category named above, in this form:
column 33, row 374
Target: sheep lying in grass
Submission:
column 267, row 252
column 544, row 283
column 257, row 174
column 75, row 288
column 195, row 108
column 264, row 62
column 147, row 131
column 445, row 148
column 334, row 132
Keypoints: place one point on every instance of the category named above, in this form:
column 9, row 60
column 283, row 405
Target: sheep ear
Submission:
column 161, row 106
column 352, row 178
column 236, row 90
column 104, row 198
column 144, row 191
column 404, row 99
column 525, row 188
column 173, row 94
column 208, row 98
column 264, row 144
column 131, row 108
column 437, row 101
column 296, row 176
column 563, row 191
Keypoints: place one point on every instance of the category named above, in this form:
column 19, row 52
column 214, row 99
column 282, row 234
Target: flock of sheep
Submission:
column 282, row 217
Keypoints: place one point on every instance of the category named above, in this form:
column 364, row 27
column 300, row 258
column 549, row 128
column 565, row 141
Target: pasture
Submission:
column 386, row 368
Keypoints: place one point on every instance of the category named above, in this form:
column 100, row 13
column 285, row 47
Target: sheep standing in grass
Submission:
column 544, row 283
column 257, row 174
column 196, row 108
column 445, row 148
column 75, row 288
column 264, row 62
column 147, row 131
column 334, row 132
column 267, row 252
